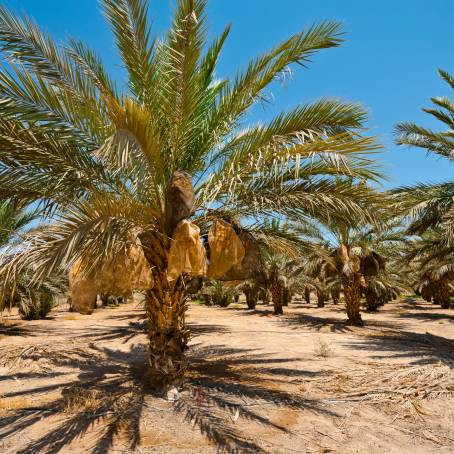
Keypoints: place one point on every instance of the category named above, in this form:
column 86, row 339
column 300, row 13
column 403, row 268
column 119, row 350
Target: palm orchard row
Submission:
column 169, row 166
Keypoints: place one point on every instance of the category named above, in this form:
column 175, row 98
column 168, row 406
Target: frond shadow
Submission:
column 296, row 321
column 226, row 384
column 416, row 348
column 115, row 377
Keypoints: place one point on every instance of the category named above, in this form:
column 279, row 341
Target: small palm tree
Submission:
column 430, row 261
column 33, row 300
column 113, row 164
column 355, row 256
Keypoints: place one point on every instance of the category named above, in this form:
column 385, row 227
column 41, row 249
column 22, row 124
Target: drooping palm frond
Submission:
column 426, row 205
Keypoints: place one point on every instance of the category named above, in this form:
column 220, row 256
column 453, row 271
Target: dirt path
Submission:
column 303, row 382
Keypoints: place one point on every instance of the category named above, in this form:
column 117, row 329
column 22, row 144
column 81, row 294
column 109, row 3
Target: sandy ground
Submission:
column 304, row 382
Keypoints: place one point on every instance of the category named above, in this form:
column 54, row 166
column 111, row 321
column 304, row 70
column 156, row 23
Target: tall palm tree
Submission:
column 430, row 205
column 113, row 164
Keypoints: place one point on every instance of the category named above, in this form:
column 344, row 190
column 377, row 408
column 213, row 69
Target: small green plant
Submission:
column 221, row 295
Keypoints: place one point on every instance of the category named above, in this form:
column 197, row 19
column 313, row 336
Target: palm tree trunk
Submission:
column 371, row 296
column 286, row 296
column 335, row 295
column 445, row 299
column 276, row 286
column 165, row 305
column 320, row 298
column 277, row 297
column 307, row 295
column 251, row 297
column 352, row 295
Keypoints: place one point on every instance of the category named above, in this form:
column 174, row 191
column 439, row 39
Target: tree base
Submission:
column 357, row 322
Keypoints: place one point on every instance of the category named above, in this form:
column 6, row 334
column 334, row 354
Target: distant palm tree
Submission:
column 111, row 164
column 33, row 300
column 430, row 264
column 354, row 254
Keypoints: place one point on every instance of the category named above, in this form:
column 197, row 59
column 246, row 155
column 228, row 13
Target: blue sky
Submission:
column 388, row 63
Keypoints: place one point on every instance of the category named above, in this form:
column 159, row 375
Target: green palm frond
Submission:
column 129, row 24
column 427, row 205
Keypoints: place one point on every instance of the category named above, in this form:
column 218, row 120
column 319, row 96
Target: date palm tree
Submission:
column 33, row 300
column 352, row 254
column 430, row 205
column 111, row 164
column 430, row 263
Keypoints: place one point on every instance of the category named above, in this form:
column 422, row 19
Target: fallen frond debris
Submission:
column 407, row 386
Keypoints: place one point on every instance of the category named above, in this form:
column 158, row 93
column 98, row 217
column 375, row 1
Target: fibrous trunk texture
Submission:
column 352, row 296
column 168, row 334
column 165, row 307
column 277, row 291
column 276, row 295
column 286, row 296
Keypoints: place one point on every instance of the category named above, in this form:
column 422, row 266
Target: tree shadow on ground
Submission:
column 427, row 316
column 417, row 304
column 222, row 385
column 264, row 311
column 333, row 324
column 113, row 397
column 416, row 348
column 229, row 383
column 19, row 329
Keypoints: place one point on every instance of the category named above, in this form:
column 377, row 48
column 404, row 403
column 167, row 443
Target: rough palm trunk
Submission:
column 307, row 295
column 370, row 292
column 251, row 294
column 352, row 296
column 165, row 305
column 276, row 296
column 320, row 298
column 277, row 291
column 286, row 296
column 445, row 299
column 264, row 295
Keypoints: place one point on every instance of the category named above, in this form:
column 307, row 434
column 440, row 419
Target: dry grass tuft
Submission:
column 81, row 400
column 322, row 348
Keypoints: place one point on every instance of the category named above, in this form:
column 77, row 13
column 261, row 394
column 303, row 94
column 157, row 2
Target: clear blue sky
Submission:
column 388, row 62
